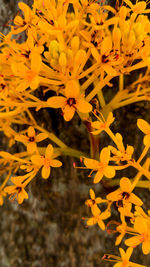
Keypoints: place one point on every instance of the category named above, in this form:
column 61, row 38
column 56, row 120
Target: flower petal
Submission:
column 143, row 126
column 105, row 155
column 83, row 106
column 45, row 172
column 68, row 112
column 125, row 185
column 31, row 131
column 49, row 151
column 109, row 172
column 91, row 163
column 92, row 194
column 146, row 247
column 98, row 177
column 95, row 210
column 133, row 241
column 135, row 200
column 40, row 137
column 55, row 163
column 57, row 101
column 72, row 89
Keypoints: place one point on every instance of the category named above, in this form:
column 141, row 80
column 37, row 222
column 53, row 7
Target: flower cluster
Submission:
column 69, row 51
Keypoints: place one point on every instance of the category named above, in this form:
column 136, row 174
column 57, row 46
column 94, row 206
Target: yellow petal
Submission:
column 98, row 177
column 72, row 89
column 55, row 163
column 91, row 221
column 133, row 241
column 101, row 224
column 57, row 101
column 92, row 194
column 128, row 253
column 146, row 247
column 143, row 126
column 135, row 200
column 40, row 137
column 146, row 140
column 95, row 210
column 125, row 184
column 91, row 163
column 45, row 172
column 109, row 172
column 68, row 112
column 83, row 106
column 105, row 155
column 31, row 131
column 49, row 151
column 115, row 196
column 106, row 214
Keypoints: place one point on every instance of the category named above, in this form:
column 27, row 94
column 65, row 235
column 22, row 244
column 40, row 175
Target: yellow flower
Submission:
column 17, row 190
column 92, row 203
column 31, row 139
column 144, row 126
column 124, row 193
column 23, row 24
column 123, row 261
column 46, row 161
column 27, row 76
column 139, row 7
column 72, row 101
column 98, row 218
column 141, row 226
column 101, row 124
column 109, row 58
column 121, row 154
column 101, row 166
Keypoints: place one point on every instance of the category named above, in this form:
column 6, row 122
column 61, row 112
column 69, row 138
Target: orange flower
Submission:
column 27, row 76
column 101, row 125
column 23, row 24
column 31, row 139
column 17, row 190
column 141, row 226
column 71, row 102
column 46, row 161
column 124, row 193
column 101, row 166
column 123, row 261
column 144, row 126
column 98, row 218
column 121, row 154
column 93, row 202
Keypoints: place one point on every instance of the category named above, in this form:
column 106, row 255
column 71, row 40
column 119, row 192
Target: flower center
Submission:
column 71, row 101
column 93, row 201
column 125, row 195
column 18, row 188
column 31, row 139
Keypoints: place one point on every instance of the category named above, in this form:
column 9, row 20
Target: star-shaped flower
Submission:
column 46, row 161
column 71, row 102
column 101, row 166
